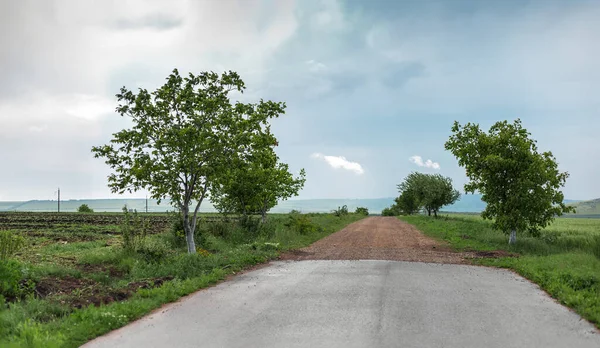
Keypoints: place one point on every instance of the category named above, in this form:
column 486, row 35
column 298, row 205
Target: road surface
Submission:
column 325, row 301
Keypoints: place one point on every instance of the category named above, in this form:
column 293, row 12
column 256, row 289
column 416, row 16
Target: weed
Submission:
column 133, row 230
column 10, row 244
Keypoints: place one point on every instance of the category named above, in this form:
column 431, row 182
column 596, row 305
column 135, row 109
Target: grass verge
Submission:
column 71, row 290
column 564, row 261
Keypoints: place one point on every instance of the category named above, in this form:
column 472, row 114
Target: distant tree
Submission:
column 407, row 203
column 85, row 209
column 255, row 184
column 391, row 211
column 185, row 135
column 429, row 191
column 362, row 211
column 520, row 185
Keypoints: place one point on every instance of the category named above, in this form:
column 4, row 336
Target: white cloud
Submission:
column 315, row 66
column 340, row 162
column 418, row 160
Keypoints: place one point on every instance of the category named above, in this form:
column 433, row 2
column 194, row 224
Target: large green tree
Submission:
column 255, row 183
column 185, row 134
column 520, row 185
column 428, row 191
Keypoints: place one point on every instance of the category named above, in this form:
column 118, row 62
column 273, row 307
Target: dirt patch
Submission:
column 81, row 292
column 111, row 270
column 378, row 238
column 148, row 283
column 491, row 254
column 60, row 286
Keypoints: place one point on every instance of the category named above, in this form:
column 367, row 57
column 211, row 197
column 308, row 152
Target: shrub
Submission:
column 84, row 208
column 10, row 244
column 153, row 250
column 341, row 211
column 133, row 230
column 14, row 280
column 362, row 211
column 388, row 212
column 301, row 224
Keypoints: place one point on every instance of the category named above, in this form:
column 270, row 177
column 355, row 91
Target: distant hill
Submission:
column 468, row 203
column 591, row 207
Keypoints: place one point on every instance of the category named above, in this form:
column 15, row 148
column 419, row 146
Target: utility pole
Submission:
column 146, row 204
column 59, row 199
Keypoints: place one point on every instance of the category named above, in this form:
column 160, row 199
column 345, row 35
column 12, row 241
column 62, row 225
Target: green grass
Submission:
column 94, row 270
column 564, row 261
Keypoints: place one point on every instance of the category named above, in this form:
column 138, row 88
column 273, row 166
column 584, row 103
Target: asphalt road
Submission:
column 363, row 304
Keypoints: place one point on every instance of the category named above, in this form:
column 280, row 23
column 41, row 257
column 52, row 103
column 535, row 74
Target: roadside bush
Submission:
column 84, row 208
column 153, row 250
column 133, row 230
column 301, row 224
column 387, row 212
column 341, row 211
column 10, row 244
column 362, row 211
column 15, row 281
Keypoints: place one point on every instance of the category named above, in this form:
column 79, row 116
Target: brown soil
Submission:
column 81, row 292
column 382, row 238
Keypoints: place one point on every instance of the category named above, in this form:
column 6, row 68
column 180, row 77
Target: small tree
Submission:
column 407, row 203
column 184, row 136
column 340, row 211
column 362, row 211
column 430, row 191
column 133, row 230
column 84, row 208
column 390, row 211
column 255, row 184
column 520, row 185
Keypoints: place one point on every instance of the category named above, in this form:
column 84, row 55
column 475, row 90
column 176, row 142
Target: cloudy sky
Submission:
column 372, row 87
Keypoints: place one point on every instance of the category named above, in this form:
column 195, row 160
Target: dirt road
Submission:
column 378, row 238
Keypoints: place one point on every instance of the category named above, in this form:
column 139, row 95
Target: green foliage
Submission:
column 341, row 211
column 520, row 185
column 15, row 281
column 10, row 244
column 430, row 191
column 407, row 203
column 185, row 137
column 178, row 234
column 84, row 208
column 388, row 212
column 254, row 183
column 362, row 211
column 153, row 250
column 133, row 230
column 302, row 224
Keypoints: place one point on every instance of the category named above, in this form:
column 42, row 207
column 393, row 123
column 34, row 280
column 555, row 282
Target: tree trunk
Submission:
column 428, row 212
column 263, row 212
column 189, row 233
column 435, row 213
column 513, row 237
